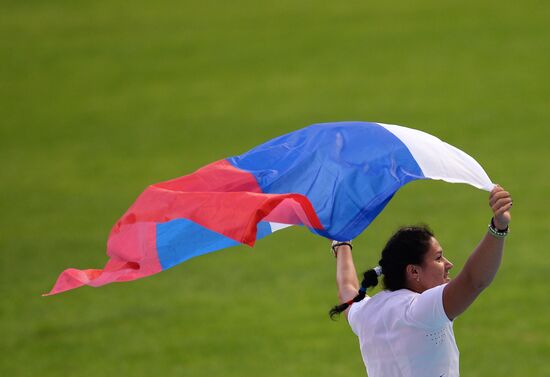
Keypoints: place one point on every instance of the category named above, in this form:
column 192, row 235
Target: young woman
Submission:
column 407, row 329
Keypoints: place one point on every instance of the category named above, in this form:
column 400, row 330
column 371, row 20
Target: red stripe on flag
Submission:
column 219, row 197
column 133, row 255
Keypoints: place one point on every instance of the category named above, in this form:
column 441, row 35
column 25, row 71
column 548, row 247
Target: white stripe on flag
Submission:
column 278, row 226
column 439, row 160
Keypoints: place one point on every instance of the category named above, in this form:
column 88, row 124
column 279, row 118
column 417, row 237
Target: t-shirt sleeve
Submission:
column 426, row 309
column 353, row 315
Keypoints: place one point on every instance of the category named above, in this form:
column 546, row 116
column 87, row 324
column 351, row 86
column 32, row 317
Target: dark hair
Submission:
column 407, row 246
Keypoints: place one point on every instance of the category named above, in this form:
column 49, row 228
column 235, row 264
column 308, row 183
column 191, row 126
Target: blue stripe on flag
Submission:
column 348, row 170
column 181, row 239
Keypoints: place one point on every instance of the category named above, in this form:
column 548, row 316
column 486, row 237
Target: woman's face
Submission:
column 434, row 270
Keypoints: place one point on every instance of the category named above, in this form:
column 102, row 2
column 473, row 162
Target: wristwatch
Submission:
column 335, row 244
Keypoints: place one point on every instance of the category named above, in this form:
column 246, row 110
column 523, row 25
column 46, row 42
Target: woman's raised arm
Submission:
column 346, row 276
column 483, row 263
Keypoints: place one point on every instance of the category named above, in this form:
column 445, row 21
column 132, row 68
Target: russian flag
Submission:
column 333, row 178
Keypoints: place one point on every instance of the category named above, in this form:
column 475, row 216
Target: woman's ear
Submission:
column 413, row 272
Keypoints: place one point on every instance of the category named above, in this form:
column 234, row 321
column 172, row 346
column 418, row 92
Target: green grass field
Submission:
column 100, row 99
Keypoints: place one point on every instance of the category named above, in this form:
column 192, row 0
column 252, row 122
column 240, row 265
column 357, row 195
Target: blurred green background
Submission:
column 99, row 99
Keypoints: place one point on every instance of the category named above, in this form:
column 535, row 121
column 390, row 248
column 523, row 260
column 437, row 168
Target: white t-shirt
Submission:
column 405, row 334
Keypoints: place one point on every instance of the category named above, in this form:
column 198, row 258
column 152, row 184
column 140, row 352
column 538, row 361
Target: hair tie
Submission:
column 362, row 289
column 378, row 270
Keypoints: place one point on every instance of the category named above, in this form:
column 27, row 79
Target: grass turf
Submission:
column 99, row 99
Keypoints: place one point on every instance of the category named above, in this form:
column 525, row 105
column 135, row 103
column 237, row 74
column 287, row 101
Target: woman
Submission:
column 407, row 329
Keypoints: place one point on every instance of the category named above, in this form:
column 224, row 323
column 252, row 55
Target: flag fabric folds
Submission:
column 333, row 178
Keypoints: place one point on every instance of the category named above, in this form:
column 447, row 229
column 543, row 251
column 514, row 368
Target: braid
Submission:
column 370, row 279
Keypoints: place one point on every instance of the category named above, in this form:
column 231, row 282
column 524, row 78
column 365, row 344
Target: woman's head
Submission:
column 412, row 258
column 433, row 271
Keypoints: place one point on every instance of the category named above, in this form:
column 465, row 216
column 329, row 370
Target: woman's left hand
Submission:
column 500, row 202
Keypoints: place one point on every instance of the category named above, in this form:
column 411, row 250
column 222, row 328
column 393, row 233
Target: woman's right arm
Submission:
column 483, row 263
column 346, row 276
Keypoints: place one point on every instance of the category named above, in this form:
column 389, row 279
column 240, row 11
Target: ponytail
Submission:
column 370, row 279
